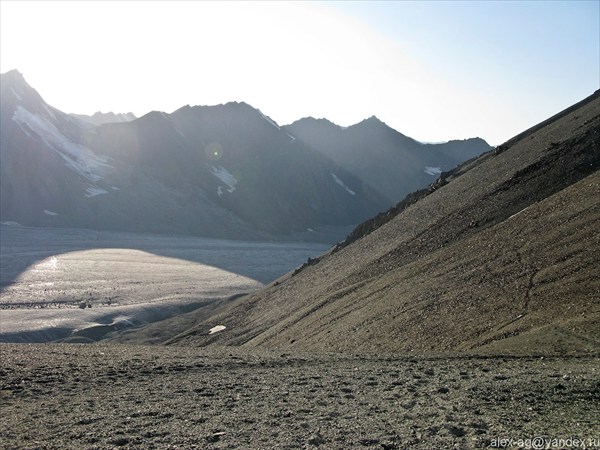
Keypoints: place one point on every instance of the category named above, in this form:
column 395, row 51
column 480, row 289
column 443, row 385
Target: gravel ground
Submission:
column 110, row 396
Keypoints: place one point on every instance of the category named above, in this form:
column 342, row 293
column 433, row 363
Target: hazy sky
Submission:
column 431, row 70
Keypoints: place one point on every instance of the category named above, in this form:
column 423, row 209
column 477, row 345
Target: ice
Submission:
column 16, row 94
column 77, row 157
column 50, row 213
column 432, row 170
column 341, row 183
column 49, row 111
column 516, row 214
column 92, row 191
column 222, row 174
column 216, row 329
column 268, row 119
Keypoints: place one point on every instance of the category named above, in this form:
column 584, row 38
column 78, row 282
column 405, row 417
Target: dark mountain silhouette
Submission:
column 50, row 176
column 388, row 161
column 242, row 161
column 500, row 255
column 100, row 118
column 225, row 171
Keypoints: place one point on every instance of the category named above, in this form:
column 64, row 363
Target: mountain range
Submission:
column 100, row 118
column 498, row 256
column 388, row 161
column 220, row 171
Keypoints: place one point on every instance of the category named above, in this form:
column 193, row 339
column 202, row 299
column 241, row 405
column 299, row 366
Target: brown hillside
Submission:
column 501, row 257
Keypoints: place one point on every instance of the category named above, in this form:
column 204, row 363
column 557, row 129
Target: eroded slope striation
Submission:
column 500, row 257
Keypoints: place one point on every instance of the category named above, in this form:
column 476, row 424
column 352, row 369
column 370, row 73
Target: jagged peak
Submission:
column 232, row 104
column 313, row 120
column 14, row 77
column 372, row 121
column 14, row 73
column 471, row 139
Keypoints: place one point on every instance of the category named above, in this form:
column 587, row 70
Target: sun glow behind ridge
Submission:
column 290, row 59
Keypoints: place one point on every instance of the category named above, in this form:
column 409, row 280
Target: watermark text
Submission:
column 540, row 442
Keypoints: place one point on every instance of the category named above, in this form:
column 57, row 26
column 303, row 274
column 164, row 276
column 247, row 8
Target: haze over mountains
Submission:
column 489, row 269
column 221, row 171
column 385, row 159
column 499, row 256
column 100, row 118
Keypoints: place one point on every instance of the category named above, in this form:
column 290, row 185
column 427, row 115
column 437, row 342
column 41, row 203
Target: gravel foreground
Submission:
column 119, row 396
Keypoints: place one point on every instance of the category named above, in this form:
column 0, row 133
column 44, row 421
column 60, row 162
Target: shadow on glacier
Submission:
column 23, row 247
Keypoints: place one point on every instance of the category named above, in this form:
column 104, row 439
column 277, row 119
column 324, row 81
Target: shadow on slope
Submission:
column 500, row 256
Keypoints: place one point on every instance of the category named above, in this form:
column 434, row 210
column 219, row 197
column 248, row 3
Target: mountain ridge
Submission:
column 226, row 170
column 495, row 247
column 100, row 118
column 388, row 161
column 149, row 175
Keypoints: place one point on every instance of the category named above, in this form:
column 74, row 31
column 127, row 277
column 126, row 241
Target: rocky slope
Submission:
column 498, row 256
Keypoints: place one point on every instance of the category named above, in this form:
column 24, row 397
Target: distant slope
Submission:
column 100, row 118
column 385, row 159
column 500, row 257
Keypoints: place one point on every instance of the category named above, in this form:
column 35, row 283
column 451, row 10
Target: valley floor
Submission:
column 58, row 283
column 103, row 396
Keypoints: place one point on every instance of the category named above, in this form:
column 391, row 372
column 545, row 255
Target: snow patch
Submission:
column 92, row 191
column 517, row 213
column 164, row 115
column 114, row 188
column 433, row 170
column 78, row 158
column 342, row 184
column 216, row 329
column 222, row 174
column 292, row 138
column 16, row 94
column 48, row 110
column 220, row 191
column 50, row 213
column 11, row 223
column 268, row 119
column 179, row 132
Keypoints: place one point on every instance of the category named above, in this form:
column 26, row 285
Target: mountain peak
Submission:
column 14, row 78
column 314, row 121
column 14, row 73
column 373, row 120
column 16, row 91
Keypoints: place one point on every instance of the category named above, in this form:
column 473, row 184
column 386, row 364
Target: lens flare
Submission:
column 214, row 151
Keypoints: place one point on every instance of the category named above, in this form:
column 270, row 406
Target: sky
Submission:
column 433, row 71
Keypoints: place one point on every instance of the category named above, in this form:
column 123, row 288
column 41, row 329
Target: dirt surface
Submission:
column 502, row 258
column 96, row 396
